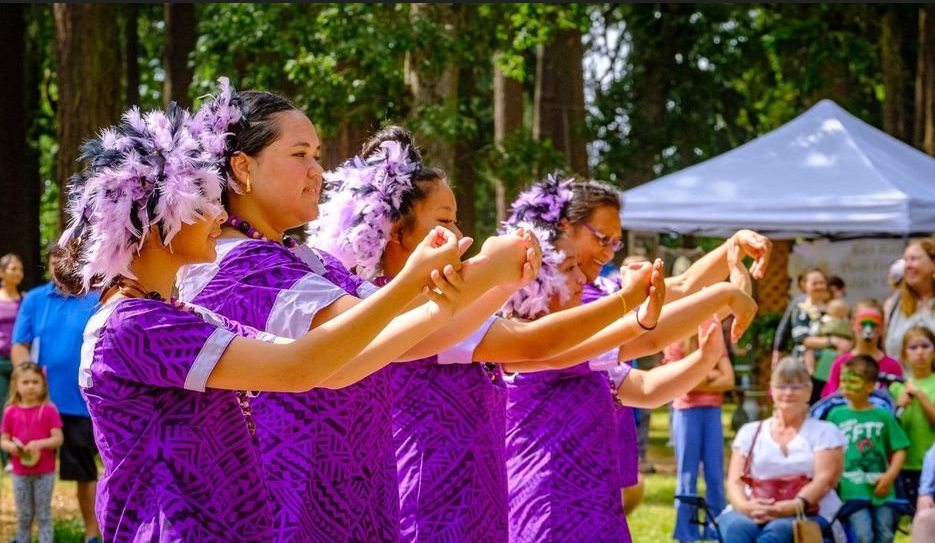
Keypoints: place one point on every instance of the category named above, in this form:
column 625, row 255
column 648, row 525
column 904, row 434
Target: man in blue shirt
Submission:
column 53, row 324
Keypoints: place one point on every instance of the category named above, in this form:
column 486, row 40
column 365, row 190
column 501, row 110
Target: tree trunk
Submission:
column 559, row 99
column 507, row 120
column 19, row 183
column 345, row 143
column 466, row 165
column 433, row 86
column 131, row 47
column 180, row 42
column 925, row 82
column 656, row 43
column 88, row 68
column 894, row 76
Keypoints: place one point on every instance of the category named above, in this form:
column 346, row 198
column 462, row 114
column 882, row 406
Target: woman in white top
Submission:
column 789, row 443
column 915, row 303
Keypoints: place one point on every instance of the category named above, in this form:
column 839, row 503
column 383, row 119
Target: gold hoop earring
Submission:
column 248, row 189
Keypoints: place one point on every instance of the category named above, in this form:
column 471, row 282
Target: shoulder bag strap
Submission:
column 746, row 465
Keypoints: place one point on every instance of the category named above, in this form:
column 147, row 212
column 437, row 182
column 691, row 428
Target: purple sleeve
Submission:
column 601, row 287
column 463, row 353
column 237, row 328
column 339, row 275
column 607, row 361
column 159, row 345
column 275, row 291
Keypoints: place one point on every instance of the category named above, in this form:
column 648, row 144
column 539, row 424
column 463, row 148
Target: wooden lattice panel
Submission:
column 772, row 292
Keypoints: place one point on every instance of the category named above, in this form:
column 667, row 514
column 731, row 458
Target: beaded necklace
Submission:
column 250, row 231
column 133, row 289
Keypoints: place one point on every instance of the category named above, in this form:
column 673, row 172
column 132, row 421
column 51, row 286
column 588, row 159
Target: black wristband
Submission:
column 643, row 326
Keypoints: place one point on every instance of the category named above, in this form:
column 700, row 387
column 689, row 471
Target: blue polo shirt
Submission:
column 58, row 322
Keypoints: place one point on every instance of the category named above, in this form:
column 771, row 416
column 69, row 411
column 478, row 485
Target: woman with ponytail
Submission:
column 165, row 382
column 327, row 453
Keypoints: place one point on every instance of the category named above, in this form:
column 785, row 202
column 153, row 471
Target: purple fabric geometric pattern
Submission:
column 327, row 454
column 179, row 464
column 562, row 457
column 626, row 420
column 448, row 428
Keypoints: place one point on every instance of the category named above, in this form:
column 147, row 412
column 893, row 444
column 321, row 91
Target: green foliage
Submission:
column 676, row 83
column 336, row 61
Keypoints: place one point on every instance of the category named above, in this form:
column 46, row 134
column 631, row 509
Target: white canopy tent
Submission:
column 826, row 173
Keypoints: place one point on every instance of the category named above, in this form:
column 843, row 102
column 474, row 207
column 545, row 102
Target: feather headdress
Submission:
column 148, row 171
column 364, row 199
column 544, row 202
column 533, row 300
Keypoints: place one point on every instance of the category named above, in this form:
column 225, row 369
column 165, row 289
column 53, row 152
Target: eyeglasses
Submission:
column 795, row 387
column 605, row 241
column 915, row 346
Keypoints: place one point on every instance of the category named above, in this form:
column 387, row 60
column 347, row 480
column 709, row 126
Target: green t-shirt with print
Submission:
column 915, row 423
column 872, row 435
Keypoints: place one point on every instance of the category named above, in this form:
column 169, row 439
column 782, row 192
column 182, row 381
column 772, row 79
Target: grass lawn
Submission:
column 652, row 521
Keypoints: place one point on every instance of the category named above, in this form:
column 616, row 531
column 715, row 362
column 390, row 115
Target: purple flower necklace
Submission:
column 250, row 231
column 133, row 289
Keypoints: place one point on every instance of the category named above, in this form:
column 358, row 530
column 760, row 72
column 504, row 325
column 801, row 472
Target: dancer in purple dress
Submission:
column 327, row 453
column 448, row 413
column 577, row 453
column 160, row 378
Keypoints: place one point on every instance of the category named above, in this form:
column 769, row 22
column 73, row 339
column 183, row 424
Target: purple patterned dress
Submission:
column 179, row 463
column 625, row 416
column 328, row 454
column 563, row 457
column 448, row 425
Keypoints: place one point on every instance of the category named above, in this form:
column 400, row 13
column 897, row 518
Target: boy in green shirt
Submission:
column 875, row 453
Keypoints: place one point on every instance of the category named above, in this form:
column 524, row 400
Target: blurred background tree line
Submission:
column 498, row 95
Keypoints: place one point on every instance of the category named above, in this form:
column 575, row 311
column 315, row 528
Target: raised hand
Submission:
column 638, row 277
column 757, row 246
column 651, row 308
column 438, row 249
column 446, row 293
column 711, row 340
column 533, row 263
column 744, row 309
column 739, row 275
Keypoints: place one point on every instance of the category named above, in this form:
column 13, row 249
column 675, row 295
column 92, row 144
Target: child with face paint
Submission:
column 867, row 326
column 915, row 400
column 875, row 452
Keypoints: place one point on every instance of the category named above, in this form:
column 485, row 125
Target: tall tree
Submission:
column 925, row 82
column 507, row 121
column 433, row 81
column 131, row 53
column 558, row 113
column 180, row 42
column 19, row 183
column 88, row 68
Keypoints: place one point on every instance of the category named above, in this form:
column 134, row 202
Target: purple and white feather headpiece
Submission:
column 544, row 202
column 148, row 171
column 364, row 199
column 533, row 300
column 212, row 124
